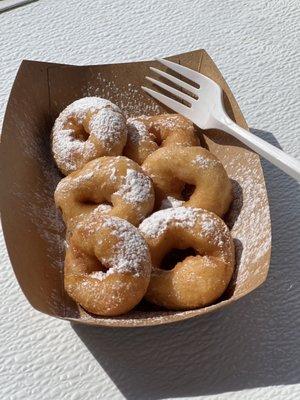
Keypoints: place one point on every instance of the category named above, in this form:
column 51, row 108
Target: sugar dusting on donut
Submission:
column 157, row 223
column 136, row 187
column 67, row 147
column 211, row 226
column 66, row 184
column 185, row 217
column 82, row 178
column 170, row 202
column 80, row 107
column 205, row 162
column 102, row 208
column 130, row 254
column 172, row 121
column 137, row 131
column 106, row 124
column 110, row 167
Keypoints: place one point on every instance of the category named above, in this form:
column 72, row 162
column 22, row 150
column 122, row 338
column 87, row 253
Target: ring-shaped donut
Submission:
column 107, row 266
column 189, row 176
column 199, row 279
column 88, row 128
column 108, row 185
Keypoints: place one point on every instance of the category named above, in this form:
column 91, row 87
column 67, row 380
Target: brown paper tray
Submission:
column 33, row 228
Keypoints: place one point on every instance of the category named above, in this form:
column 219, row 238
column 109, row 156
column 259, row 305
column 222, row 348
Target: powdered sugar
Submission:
column 100, row 275
column 205, row 162
column 82, row 178
column 36, row 205
column 102, row 208
column 79, row 108
column 110, row 169
column 212, row 229
column 67, row 149
column 170, row 202
column 137, row 131
column 113, row 176
column 66, row 185
column 129, row 97
column 137, row 187
column 108, row 126
column 249, row 216
column 129, row 254
column 155, row 225
column 169, row 122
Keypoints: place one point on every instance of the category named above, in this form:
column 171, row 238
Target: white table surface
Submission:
column 250, row 350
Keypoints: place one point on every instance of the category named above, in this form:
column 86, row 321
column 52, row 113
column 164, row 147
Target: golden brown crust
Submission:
column 198, row 280
column 173, row 168
column 148, row 133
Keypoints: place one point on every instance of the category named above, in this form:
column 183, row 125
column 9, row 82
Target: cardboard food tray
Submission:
column 33, row 228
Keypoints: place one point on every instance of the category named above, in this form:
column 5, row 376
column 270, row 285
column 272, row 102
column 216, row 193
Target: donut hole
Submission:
column 81, row 134
column 174, row 256
column 94, row 267
column 89, row 202
column 79, row 131
column 158, row 140
column 187, row 191
column 92, row 202
column 156, row 135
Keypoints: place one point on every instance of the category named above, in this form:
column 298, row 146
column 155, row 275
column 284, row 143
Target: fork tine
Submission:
column 184, row 71
column 177, row 93
column 173, row 104
column 177, row 81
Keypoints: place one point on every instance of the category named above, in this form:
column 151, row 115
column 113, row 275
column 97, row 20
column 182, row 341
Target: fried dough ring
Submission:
column 175, row 170
column 114, row 180
column 107, row 266
column 196, row 281
column 88, row 128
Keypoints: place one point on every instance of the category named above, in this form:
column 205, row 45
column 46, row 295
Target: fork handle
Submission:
column 286, row 163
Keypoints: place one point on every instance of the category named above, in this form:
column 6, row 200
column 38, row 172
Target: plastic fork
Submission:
column 206, row 109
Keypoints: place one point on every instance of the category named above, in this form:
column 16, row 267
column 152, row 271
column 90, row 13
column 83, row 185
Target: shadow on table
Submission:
column 253, row 343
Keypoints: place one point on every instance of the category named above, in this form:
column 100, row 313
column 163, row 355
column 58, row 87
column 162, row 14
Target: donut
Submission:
column 190, row 177
column 108, row 185
column 107, row 266
column 202, row 275
column 147, row 133
column 89, row 128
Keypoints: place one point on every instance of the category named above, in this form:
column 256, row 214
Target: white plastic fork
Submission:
column 207, row 111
